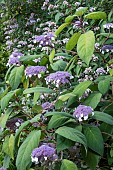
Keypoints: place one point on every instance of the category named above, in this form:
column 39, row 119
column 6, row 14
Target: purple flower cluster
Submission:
column 45, row 40
column 108, row 25
column 43, row 153
column 34, row 71
column 107, row 48
column 82, row 112
column 100, row 71
column 47, row 106
column 59, row 78
column 2, row 168
column 14, row 59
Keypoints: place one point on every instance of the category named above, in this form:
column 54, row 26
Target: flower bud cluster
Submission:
column 34, row 71
column 59, row 78
column 44, row 153
column 82, row 112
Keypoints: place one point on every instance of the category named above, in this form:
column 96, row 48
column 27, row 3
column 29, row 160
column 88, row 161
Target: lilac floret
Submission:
column 2, row 168
column 107, row 48
column 108, row 25
column 34, row 71
column 14, row 59
column 45, row 40
column 59, row 78
column 43, row 153
column 100, row 71
column 82, row 112
column 47, row 106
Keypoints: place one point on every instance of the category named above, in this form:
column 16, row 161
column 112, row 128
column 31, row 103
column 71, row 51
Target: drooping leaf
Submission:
column 104, row 117
column 57, row 17
column 104, row 86
column 69, row 18
column 56, row 121
column 8, row 146
column 23, row 125
column 66, row 96
column 81, row 88
column 25, row 150
column 96, row 15
column 16, row 76
column 5, row 100
column 59, row 30
column 4, row 117
column 85, row 46
column 72, row 41
column 81, row 11
column 51, row 56
column 59, row 65
column 94, row 139
column 58, row 113
column 72, row 134
column 91, row 159
column 63, row 143
column 68, row 165
column 29, row 59
column 93, row 99
column 37, row 89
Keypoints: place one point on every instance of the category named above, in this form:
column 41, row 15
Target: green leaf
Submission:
column 68, row 165
column 29, row 59
column 63, row 143
column 85, row 46
column 23, row 125
column 106, row 130
column 58, row 104
column 81, row 11
column 91, row 159
column 37, row 89
column 72, row 134
column 4, row 117
column 56, row 121
column 93, row 100
column 58, row 113
column 66, row 96
column 51, row 56
column 16, row 77
column 24, row 153
column 57, row 17
column 8, row 146
column 104, row 86
column 96, row 15
column 69, row 18
column 94, row 139
column 81, row 88
column 104, row 117
column 59, row 65
column 5, row 100
column 72, row 41
column 59, row 30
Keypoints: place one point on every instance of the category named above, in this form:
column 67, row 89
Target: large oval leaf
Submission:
column 80, row 11
column 93, row 99
column 104, row 86
column 104, row 117
column 61, row 28
column 85, row 46
column 72, row 41
column 96, row 15
column 37, row 89
column 81, row 88
column 5, row 100
column 24, row 153
column 94, row 139
column 72, row 134
column 16, row 76
column 68, row 165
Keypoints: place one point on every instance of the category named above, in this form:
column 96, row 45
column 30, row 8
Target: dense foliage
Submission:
column 56, row 98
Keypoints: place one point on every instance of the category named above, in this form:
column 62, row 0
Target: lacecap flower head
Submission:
column 14, row 59
column 82, row 112
column 44, row 153
column 34, row 71
column 59, row 78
